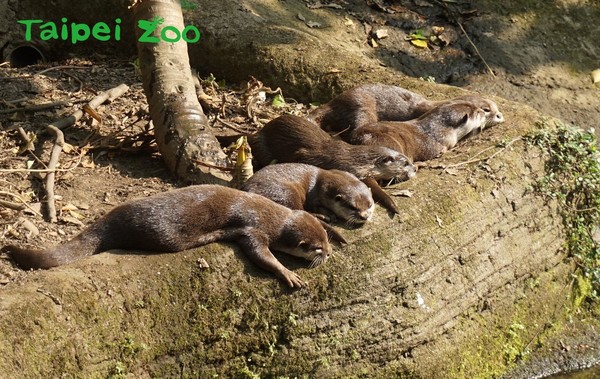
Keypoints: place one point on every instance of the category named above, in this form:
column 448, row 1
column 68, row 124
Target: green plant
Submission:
column 573, row 180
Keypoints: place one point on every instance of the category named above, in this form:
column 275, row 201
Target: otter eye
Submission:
column 303, row 245
column 465, row 119
column 486, row 110
column 387, row 160
column 338, row 197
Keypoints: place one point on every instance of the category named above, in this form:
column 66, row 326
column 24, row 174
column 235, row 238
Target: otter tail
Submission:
column 59, row 255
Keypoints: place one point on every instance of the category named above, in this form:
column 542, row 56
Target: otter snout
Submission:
column 498, row 118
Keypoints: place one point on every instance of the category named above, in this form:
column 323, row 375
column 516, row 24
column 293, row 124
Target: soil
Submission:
column 541, row 53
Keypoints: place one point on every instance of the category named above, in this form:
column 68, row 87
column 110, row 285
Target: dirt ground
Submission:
column 541, row 52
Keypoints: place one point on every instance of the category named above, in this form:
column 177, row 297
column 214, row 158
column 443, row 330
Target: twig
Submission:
column 41, row 107
column 61, row 68
column 28, row 141
column 54, row 155
column 80, row 87
column 479, row 159
column 476, row 49
column 231, row 126
column 55, row 127
column 21, row 200
column 11, row 205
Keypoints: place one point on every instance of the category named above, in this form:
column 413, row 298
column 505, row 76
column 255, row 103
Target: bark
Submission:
column 185, row 140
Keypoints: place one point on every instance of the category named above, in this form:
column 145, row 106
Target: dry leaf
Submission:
column 348, row 21
column 439, row 221
column 301, row 17
column 380, row 33
column 419, row 43
column 69, row 207
column 68, row 148
column 71, row 220
column 202, row 263
column 77, row 215
column 451, row 171
column 87, row 163
column 313, row 24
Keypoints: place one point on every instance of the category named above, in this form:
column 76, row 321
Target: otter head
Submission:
column 459, row 119
column 349, row 198
column 303, row 236
column 390, row 164
column 493, row 115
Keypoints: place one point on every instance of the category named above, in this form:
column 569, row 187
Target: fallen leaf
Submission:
column 439, row 221
column 69, row 207
column 202, row 263
column 71, row 220
column 348, row 21
column 313, row 24
column 419, row 43
column 451, row 171
column 380, row 33
column 77, row 215
column 301, row 17
column 278, row 101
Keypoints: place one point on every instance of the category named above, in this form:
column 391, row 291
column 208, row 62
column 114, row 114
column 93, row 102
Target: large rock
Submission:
column 461, row 282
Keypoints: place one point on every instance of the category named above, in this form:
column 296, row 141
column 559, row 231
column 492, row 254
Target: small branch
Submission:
column 232, row 127
column 479, row 159
column 21, row 200
column 41, row 107
column 54, row 155
column 11, row 205
column 476, row 49
column 55, row 128
column 62, row 68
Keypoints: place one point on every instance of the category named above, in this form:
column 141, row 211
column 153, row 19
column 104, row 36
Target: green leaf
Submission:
column 278, row 101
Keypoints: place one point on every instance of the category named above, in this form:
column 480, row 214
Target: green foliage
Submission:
column 573, row 180
column 278, row 101
column 119, row 371
column 514, row 349
column 188, row 5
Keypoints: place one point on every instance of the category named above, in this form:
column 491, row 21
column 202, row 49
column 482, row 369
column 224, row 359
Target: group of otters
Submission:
column 327, row 169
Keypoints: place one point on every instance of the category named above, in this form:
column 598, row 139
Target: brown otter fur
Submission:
column 329, row 193
column 426, row 137
column 190, row 217
column 289, row 139
column 292, row 139
column 370, row 103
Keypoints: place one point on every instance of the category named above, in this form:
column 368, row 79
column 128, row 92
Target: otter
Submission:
column 191, row 217
column 289, row 139
column 329, row 194
column 370, row 103
column 292, row 139
column 426, row 137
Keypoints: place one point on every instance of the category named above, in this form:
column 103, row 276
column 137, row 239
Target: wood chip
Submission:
column 403, row 192
column 596, row 76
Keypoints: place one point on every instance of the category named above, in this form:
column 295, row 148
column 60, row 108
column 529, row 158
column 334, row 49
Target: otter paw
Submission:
column 294, row 280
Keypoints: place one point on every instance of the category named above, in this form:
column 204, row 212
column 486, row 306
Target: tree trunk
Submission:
column 185, row 140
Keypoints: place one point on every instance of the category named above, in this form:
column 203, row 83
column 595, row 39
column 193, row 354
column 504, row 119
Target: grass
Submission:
column 573, row 180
